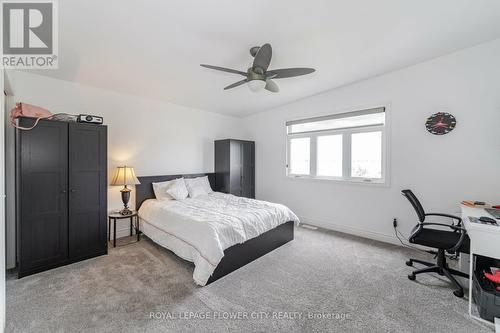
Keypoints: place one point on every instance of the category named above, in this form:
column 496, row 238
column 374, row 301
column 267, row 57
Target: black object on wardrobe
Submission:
column 235, row 167
column 453, row 240
column 61, row 194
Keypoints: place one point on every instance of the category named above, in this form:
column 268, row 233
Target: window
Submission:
column 329, row 156
column 366, row 155
column 300, row 156
column 349, row 146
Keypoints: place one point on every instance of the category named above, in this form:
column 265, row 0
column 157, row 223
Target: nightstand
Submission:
column 117, row 216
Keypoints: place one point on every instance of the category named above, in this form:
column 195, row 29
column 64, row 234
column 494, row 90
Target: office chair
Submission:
column 454, row 240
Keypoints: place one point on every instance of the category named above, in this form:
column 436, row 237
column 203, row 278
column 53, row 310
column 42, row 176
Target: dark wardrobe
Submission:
column 235, row 167
column 61, row 199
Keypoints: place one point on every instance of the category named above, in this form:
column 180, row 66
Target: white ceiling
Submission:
column 153, row 48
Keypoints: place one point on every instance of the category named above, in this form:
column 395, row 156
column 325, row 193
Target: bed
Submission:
column 218, row 232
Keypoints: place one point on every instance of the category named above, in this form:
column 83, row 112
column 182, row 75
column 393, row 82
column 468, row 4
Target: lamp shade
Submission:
column 124, row 175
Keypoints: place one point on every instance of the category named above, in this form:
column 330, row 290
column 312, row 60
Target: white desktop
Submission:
column 484, row 241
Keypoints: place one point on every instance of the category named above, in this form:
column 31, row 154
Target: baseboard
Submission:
column 124, row 231
column 390, row 239
column 351, row 230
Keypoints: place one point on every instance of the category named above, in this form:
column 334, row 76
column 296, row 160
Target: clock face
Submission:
column 440, row 123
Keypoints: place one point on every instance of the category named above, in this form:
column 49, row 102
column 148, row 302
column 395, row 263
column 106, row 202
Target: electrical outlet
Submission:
column 395, row 223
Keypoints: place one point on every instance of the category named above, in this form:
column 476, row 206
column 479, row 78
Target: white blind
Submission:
column 362, row 118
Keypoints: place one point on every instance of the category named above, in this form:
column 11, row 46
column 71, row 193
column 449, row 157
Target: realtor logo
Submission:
column 29, row 34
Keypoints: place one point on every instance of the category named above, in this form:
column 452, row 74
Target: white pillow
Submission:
column 206, row 184
column 196, row 187
column 178, row 189
column 160, row 190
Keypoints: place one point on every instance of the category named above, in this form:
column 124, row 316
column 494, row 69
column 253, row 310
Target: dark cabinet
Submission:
column 87, row 190
column 42, row 211
column 61, row 199
column 235, row 167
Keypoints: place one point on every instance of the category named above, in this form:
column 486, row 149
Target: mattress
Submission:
column 200, row 229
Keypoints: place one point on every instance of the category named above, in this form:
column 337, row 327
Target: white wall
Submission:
column 10, row 182
column 154, row 137
column 160, row 138
column 442, row 170
column 2, row 206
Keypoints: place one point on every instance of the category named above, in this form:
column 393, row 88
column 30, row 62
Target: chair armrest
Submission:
column 454, row 227
column 460, row 241
column 459, row 219
column 462, row 231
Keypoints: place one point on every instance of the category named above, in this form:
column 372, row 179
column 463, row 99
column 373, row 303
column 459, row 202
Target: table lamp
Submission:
column 125, row 175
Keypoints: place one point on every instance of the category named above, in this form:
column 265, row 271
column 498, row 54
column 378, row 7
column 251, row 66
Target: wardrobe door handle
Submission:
column 64, row 191
column 72, row 190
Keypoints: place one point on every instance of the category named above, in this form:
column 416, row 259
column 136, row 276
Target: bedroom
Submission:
column 332, row 149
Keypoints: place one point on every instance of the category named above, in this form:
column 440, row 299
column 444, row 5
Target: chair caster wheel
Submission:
column 411, row 277
column 409, row 263
column 459, row 293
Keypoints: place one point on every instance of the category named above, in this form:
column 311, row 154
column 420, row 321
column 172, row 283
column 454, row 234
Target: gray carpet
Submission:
column 322, row 281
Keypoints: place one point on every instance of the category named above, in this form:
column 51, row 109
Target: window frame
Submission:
column 346, row 153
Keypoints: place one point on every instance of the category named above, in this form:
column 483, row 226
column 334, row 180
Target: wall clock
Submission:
column 440, row 123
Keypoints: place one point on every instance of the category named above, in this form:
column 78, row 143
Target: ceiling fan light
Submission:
column 256, row 85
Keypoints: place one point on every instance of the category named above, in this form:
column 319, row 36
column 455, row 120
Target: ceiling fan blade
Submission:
column 239, row 83
column 263, row 57
column 288, row 72
column 229, row 70
column 272, row 86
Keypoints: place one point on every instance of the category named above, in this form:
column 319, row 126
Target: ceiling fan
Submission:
column 257, row 76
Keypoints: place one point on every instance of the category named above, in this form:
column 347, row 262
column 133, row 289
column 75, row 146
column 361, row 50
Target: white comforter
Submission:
column 210, row 224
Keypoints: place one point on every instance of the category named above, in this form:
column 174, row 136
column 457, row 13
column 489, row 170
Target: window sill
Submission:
column 374, row 183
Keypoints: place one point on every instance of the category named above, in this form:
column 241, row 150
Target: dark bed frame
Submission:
column 237, row 255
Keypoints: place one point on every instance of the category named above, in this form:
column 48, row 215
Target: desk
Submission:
column 484, row 241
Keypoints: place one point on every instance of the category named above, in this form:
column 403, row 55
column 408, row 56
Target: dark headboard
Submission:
column 144, row 191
